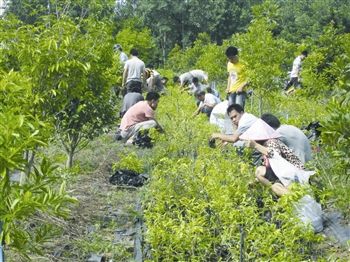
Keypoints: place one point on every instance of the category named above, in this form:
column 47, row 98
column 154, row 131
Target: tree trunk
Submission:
column 70, row 155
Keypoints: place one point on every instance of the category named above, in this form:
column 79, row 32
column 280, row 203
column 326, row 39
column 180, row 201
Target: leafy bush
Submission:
column 132, row 36
column 198, row 201
column 202, row 55
column 69, row 66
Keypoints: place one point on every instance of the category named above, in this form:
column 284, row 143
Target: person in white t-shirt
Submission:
column 240, row 120
column 207, row 103
column 134, row 75
column 296, row 70
column 186, row 79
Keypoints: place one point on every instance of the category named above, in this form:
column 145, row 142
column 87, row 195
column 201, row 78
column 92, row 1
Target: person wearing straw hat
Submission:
column 263, row 138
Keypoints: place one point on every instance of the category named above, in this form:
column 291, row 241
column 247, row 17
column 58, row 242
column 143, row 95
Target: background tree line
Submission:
column 180, row 22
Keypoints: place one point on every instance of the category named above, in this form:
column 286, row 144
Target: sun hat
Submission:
column 259, row 131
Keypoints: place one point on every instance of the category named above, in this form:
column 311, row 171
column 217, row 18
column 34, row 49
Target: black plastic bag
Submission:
column 124, row 177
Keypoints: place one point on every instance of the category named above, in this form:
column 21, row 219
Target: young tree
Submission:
column 43, row 191
column 70, row 68
column 262, row 53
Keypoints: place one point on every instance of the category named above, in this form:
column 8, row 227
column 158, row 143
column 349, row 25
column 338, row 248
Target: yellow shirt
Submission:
column 235, row 72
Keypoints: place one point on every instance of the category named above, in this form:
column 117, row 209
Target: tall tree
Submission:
column 179, row 22
column 299, row 19
column 32, row 11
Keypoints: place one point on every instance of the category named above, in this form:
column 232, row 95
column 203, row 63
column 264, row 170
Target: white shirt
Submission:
column 296, row 67
column 200, row 74
column 220, row 118
column 187, row 77
column 196, row 88
column 210, row 99
column 135, row 68
column 246, row 121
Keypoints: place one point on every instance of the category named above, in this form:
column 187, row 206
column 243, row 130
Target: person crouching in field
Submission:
column 140, row 116
column 207, row 103
column 281, row 166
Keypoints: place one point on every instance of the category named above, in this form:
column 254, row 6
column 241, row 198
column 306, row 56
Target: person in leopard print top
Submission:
column 284, row 151
column 262, row 137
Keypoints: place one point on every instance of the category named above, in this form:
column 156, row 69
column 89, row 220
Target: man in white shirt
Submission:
column 134, row 75
column 296, row 69
column 186, row 78
column 240, row 119
column 207, row 103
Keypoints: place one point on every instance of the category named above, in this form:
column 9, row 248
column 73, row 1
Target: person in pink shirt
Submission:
column 140, row 116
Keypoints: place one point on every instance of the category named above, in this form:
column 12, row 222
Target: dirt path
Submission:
column 102, row 223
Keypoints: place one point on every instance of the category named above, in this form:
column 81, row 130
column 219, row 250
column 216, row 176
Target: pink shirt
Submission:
column 138, row 113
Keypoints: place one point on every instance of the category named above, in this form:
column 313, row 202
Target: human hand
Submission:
column 216, row 135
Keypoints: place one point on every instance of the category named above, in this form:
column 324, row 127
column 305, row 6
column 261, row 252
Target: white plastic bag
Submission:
column 309, row 211
column 287, row 172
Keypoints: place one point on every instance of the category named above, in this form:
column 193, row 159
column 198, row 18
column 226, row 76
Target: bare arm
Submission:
column 198, row 110
column 228, row 83
column 262, row 149
column 159, row 127
column 226, row 138
column 125, row 76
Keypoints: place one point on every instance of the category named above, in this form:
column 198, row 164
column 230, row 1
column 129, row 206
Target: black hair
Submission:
column 305, row 53
column 176, row 79
column 231, row 51
column 209, row 90
column 152, row 96
column 271, row 120
column 195, row 80
column 150, row 66
column 134, row 52
column 237, row 107
column 200, row 93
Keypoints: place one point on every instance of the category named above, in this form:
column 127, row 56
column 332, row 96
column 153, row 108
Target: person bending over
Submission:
column 263, row 138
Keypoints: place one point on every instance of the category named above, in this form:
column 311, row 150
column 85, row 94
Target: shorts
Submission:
column 271, row 176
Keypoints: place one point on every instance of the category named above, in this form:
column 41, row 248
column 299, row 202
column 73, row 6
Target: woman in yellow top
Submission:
column 236, row 81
